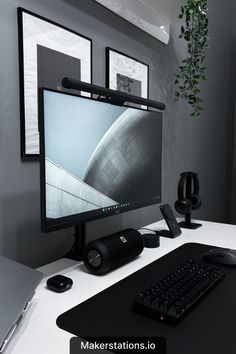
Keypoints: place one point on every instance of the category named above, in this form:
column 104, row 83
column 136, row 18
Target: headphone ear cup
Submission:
column 196, row 201
column 183, row 206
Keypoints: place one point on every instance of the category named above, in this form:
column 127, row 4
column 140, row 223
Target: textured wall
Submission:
column 197, row 144
column 231, row 194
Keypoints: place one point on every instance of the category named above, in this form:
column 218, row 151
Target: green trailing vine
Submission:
column 192, row 69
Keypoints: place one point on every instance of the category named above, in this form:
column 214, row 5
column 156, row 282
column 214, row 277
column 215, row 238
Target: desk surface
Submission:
column 38, row 332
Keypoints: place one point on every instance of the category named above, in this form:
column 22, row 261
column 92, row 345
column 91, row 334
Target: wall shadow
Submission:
column 110, row 19
column 22, row 238
column 231, row 155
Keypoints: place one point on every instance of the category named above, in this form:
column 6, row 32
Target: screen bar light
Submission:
column 112, row 95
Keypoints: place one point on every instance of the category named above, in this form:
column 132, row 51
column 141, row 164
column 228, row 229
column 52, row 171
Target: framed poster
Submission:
column 48, row 52
column 127, row 74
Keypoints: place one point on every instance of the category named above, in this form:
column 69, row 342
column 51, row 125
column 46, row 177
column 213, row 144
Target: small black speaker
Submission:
column 107, row 253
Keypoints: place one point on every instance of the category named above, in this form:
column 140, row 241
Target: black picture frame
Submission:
column 25, row 155
column 118, row 69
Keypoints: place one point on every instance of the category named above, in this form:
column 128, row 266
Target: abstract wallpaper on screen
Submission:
column 98, row 155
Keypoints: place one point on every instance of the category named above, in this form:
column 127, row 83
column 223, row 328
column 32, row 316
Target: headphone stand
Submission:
column 187, row 224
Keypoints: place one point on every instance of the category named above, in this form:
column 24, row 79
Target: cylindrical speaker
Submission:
column 107, row 253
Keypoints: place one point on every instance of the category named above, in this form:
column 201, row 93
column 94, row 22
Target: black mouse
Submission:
column 222, row 256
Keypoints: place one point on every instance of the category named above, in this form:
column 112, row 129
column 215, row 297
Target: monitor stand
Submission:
column 187, row 224
column 76, row 252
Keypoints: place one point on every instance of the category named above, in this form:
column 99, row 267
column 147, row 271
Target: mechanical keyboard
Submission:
column 172, row 297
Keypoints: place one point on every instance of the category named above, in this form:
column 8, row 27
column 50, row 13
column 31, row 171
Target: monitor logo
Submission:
column 123, row 239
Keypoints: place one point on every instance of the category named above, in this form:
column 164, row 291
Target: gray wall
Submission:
column 232, row 136
column 197, row 144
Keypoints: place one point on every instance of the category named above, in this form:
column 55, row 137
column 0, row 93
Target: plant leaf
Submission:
column 192, row 69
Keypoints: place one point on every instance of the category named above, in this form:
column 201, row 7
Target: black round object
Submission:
column 59, row 283
column 183, row 206
column 103, row 255
column 196, row 201
column 151, row 240
column 94, row 258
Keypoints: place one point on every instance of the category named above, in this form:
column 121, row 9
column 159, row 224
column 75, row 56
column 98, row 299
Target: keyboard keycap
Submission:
column 170, row 298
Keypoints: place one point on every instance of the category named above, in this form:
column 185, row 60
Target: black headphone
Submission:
column 191, row 200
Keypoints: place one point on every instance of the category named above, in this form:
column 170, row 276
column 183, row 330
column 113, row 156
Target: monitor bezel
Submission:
column 85, row 217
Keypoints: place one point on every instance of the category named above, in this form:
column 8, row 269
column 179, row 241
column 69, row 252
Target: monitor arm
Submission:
column 76, row 252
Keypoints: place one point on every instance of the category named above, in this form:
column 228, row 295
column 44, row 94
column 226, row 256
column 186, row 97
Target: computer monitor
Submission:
column 97, row 158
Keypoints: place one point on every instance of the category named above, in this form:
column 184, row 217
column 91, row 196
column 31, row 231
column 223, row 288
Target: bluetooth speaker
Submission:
column 110, row 252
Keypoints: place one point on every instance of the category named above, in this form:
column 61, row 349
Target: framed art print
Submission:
column 127, row 74
column 48, row 52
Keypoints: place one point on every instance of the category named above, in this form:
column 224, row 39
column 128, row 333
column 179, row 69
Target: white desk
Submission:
column 38, row 332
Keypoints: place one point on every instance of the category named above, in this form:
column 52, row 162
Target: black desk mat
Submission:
column 209, row 329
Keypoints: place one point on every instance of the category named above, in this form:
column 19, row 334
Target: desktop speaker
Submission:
column 107, row 253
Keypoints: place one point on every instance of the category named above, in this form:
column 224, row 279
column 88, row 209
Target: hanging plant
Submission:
column 192, row 69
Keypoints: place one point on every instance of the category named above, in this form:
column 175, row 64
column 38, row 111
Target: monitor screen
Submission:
column 97, row 158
